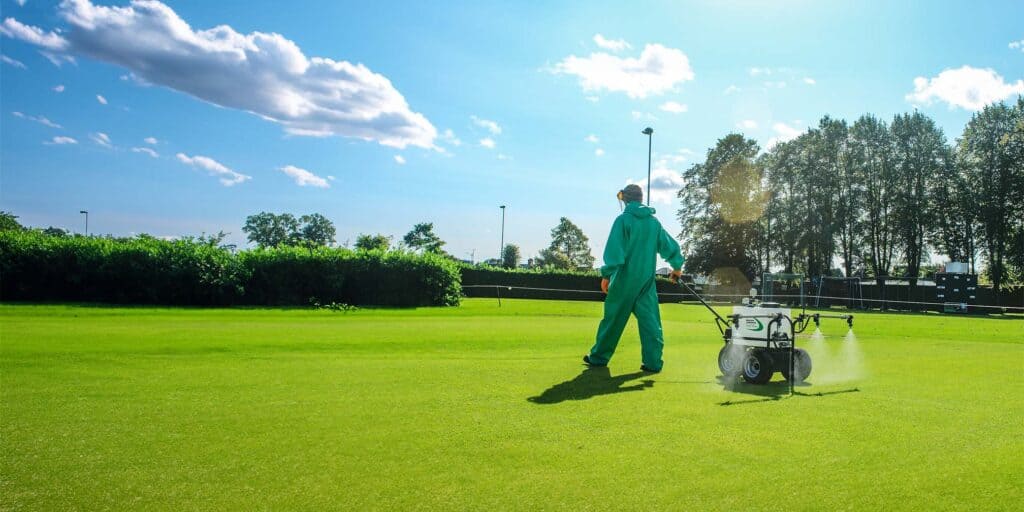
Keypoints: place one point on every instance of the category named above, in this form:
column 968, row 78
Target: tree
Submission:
column 422, row 237
column 872, row 163
column 269, row 230
column 373, row 242
column 510, row 256
column 569, row 248
column 9, row 222
column 920, row 154
column 52, row 231
column 316, row 230
column 989, row 153
column 723, row 200
column 552, row 258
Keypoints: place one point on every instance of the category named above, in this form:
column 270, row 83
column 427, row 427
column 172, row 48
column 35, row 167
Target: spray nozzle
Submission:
column 849, row 321
column 817, row 320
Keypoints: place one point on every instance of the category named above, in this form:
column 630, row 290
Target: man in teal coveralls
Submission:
column 628, row 278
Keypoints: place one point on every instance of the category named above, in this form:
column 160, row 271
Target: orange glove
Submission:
column 604, row 284
column 675, row 275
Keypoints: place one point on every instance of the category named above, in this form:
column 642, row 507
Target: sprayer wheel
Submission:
column 801, row 365
column 730, row 360
column 757, row 367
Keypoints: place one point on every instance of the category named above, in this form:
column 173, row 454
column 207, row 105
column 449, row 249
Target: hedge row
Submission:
column 34, row 266
column 492, row 282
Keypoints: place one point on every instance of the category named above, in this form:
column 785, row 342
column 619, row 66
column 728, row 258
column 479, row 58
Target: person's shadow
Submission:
column 592, row 382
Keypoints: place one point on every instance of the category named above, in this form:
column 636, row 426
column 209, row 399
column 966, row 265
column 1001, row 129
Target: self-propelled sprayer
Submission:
column 760, row 339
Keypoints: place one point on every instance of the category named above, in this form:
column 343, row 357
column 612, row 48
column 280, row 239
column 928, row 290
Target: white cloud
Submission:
column 783, row 133
column 49, row 40
column 966, row 87
column 593, row 99
column 615, row 45
column 673, row 107
column 62, row 141
column 304, row 178
column 261, row 73
column 679, row 156
column 809, row 81
column 747, row 124
column 449, row 137
column 14, row 62
column 399, row 159
column 331, row 178
column 658, row 70
column 59, row 88
column 100, row 138
column 760, row 71
column 21, row 3
column 57, row 59
column 731, row 89
column 637, row 115
column 490, row 126
column 598, row 152
column 1016, row 45
column 147, row 151
column 40, row 119
column 592, row 139
column 665, row 183
column 503, row 156
column 487, row 143
column 150, row 140
column 101, row 99
column 226, row 176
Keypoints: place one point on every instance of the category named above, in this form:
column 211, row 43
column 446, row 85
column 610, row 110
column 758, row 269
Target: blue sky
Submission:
column 441, row 113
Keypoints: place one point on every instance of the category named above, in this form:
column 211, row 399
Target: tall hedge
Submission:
column 35, row 266
column 294, row 275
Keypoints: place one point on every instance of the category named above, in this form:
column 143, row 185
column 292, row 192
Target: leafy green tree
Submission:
column 9, row 222
column 871, row 161
column 989, row 153
column 316, row 230
column 568, row 240
column 373, row 242
column 920, row 154
column 723, row 201
column 422, row 237
column 510, row 256
column 52, row 231
column 553, row 259
column 266, row 229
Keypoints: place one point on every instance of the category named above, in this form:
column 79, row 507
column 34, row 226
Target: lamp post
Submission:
column 649, row 132
column 502, row 250
column 86, row 212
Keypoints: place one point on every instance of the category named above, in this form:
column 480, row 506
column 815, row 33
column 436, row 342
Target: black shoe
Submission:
column 645, row 369
column 586, row 360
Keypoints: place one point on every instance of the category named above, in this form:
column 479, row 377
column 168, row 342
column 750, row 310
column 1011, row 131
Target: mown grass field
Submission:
column 480, row 407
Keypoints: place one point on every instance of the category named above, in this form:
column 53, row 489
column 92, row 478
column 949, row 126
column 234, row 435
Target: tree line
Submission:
column 569, row 248
column 880, row 197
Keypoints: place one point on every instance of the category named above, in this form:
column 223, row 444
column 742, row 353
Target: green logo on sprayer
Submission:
column 757, row 323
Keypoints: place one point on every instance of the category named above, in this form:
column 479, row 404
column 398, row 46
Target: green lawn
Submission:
column 481, row 407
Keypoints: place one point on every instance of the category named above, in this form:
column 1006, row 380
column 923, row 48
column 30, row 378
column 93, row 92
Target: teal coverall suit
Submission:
column 629, row 260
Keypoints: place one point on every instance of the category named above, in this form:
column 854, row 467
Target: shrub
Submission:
column 145, row 270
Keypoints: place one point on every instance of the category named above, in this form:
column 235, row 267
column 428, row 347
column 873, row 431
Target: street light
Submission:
column 86, row 221
column 649, row 132
column 502, row 250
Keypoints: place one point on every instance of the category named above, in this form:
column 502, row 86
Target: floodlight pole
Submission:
column 502, row 250
column 649, row 132
column 86, row 212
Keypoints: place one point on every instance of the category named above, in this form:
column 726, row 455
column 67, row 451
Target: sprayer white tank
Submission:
column 758, row 325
